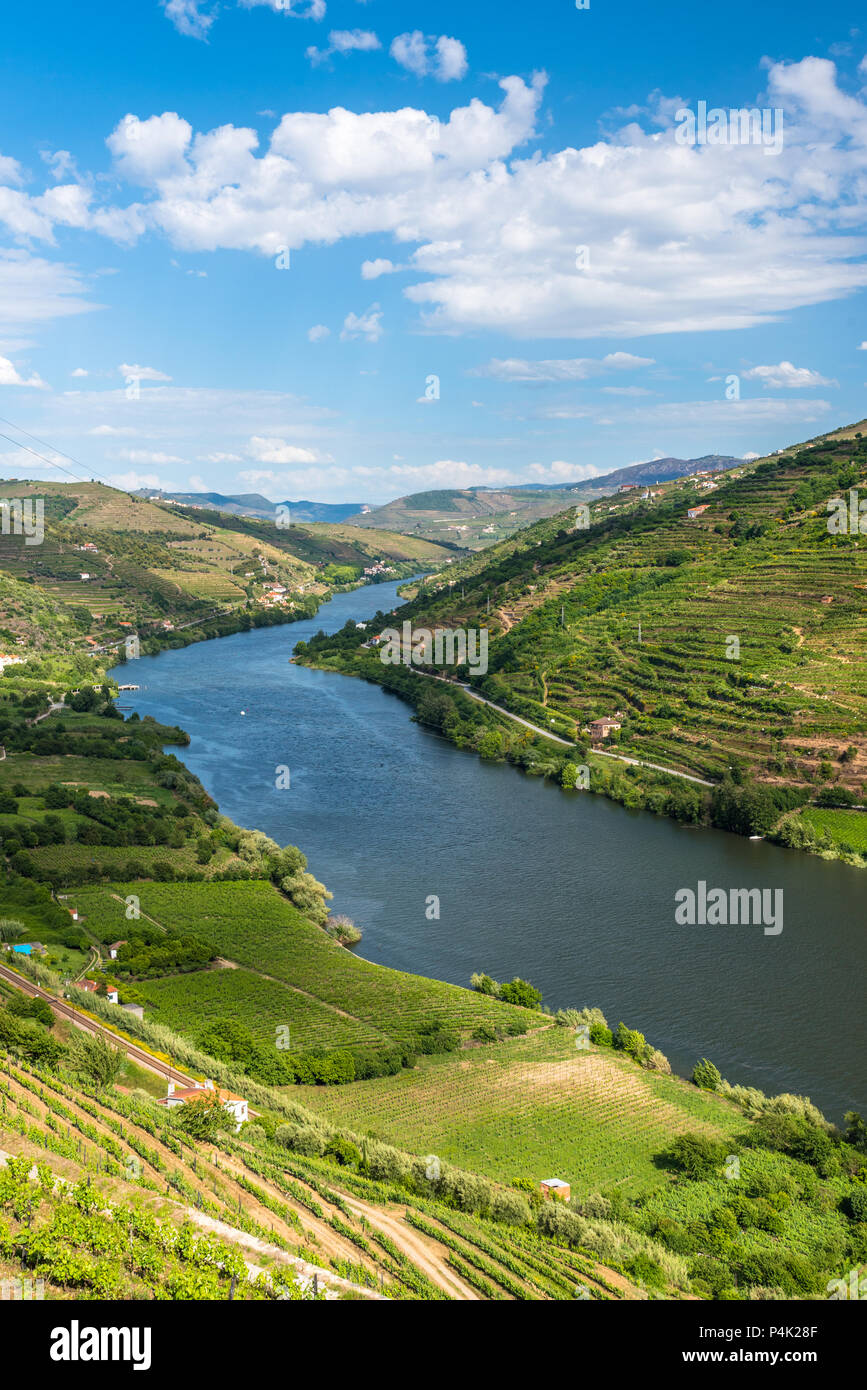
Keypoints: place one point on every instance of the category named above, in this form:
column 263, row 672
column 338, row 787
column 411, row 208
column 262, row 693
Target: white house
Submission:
column 179, row 1095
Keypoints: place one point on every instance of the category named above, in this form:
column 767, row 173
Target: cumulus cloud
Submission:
column 371, row 270
column 367, row 325
column 278, row 451
column 344, row 41
column 318, row 332
column 786, row 374
column 444, row 58
column 107, row 430
column 189, row 17
column 79, row 371
column 681, row 239
column 10, row 376
column 132, row 481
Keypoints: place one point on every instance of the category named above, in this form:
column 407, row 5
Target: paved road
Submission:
column 555, row 738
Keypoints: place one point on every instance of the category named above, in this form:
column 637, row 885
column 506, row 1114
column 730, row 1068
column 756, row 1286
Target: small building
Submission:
column 180, row 1095
column 601, row 728
column 697, row 511
column 73, row 912
column 111, row 996
column 134, row 1009
column 90, row 985
column 114, row 948
column 555, row 1190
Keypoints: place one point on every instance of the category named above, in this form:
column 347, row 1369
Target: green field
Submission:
column 189, row 1003
column 844, row 827
column 532, row 1108
column 253, row 924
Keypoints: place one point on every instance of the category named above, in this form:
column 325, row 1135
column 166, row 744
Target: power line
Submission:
column 46, row 445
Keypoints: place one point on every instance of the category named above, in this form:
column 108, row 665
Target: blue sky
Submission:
column 428, row 174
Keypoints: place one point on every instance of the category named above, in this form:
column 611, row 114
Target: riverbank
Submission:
column 781, row 814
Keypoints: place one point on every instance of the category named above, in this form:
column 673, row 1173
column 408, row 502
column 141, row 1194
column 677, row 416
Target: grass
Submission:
column 533, row 1108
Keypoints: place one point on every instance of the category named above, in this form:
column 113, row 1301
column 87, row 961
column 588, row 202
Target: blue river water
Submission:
column 563, row 888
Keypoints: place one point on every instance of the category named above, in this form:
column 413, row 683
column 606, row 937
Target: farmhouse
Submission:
column 114, row 948
column 180, row 1095
column 697, row 511
column 555, row 1190
column 601, row 728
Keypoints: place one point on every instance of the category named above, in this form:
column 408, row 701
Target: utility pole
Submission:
column 639, row 632
column 563, row 616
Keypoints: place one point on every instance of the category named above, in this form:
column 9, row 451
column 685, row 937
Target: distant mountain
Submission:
column 254, row 504
column 655, row 471
column 477, row 517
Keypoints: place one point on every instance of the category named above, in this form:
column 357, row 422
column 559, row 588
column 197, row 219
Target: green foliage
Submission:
column 706, row 1076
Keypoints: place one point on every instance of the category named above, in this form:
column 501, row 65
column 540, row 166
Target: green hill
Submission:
column 728, row 645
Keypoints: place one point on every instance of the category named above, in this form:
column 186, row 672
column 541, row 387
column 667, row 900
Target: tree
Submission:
column 205, row 1117
column 706, row 1076
column 520, row 992
column 95, row 1057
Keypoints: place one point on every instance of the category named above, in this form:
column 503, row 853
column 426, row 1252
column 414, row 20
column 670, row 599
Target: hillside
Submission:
column 399, row 1126
column 255, row 505
column 728, row 646
column 479, row 517
column 111, row 563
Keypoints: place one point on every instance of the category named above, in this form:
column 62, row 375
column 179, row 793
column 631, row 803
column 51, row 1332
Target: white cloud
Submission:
column 786, row 374
column 198, row 484
column 189, row 17
column 192, row 18
column 219, row 457
column 100, row 430
column 518, row 369
column 142, row 373
column 318, row 332
column 34, row 291
column 344, row 41
column 278, row 451
column 10, row 376
column 367, row 325
column 681, row 239
column 79, row 371
column 562, row 472
column 410, row 50
column 451, row 59
column 862, row 347
column 132, row 481
column 445, row 58
column 146, row 456
column 371, row 270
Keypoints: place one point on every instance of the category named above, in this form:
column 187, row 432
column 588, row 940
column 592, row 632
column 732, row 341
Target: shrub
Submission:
column 706, row 1076
column 695, row 1155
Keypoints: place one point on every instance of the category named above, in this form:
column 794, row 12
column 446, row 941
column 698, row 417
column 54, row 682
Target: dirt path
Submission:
column 429, row 1261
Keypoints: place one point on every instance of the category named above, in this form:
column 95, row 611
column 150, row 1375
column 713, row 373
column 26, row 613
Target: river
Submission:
column 563, row 888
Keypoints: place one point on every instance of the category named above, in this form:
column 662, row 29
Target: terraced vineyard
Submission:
column 530, row 1108
column 730, row 641
column 253, row 924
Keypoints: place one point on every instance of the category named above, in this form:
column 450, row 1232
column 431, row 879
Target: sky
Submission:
column 345, row 251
